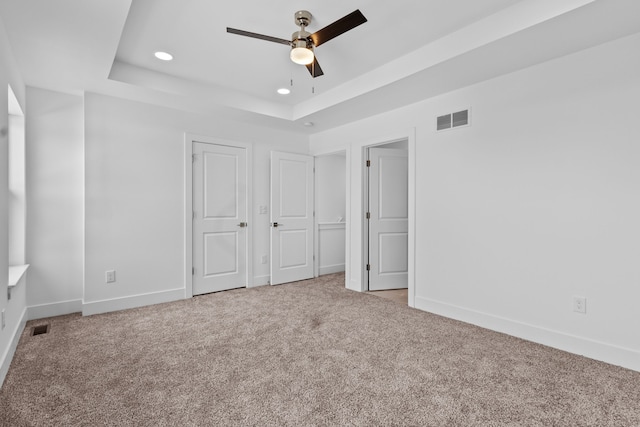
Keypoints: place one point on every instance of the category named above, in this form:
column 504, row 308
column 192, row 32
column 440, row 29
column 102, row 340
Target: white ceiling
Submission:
column 407, row 51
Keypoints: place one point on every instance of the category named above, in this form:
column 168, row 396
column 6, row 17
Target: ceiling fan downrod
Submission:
column 301, row 38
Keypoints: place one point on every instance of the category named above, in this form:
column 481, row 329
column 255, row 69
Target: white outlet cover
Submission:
column 110, row 276
column 580, row 304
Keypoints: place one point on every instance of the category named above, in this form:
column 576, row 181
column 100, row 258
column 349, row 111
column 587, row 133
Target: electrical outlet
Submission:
column 263, row 259
column 110, row 276
column 3, row 320
column 580, row 305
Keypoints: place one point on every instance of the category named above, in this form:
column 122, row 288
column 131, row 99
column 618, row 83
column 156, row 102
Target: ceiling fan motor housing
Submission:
column 301, row 39
column 302, row 18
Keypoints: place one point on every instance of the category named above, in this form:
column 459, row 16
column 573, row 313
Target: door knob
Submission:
column 275, row 224
column 242, row 224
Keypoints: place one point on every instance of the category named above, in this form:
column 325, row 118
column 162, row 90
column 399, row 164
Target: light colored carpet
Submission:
column 307, row 353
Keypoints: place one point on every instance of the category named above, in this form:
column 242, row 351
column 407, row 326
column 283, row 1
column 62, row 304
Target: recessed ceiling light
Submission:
column 164, row 56
column 308, row 124
column 284, row 91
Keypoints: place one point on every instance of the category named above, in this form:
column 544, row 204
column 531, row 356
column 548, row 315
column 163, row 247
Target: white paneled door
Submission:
column 220, row 218
column 291, row 217
column 388, row 223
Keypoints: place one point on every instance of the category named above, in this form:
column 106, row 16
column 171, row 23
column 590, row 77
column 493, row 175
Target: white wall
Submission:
column 534, row 203
column 134, row 200
column 55, row 192
column 15, row 309
column 330, row 187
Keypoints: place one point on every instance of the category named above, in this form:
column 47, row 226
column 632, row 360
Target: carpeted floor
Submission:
column 306, row 353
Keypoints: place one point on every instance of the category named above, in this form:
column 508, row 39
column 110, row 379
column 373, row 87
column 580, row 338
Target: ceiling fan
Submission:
column 302, row 42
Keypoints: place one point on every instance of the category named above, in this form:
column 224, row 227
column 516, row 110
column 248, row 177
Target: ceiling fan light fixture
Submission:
column 301, row 53
column 302, row 42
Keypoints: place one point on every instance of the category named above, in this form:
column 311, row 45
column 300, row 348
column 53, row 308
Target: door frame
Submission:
column 189, row 139
column 411, row 201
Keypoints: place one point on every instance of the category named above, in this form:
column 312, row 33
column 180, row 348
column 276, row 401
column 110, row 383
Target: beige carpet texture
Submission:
column 309, row 353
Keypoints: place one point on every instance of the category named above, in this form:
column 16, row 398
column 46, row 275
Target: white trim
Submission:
column 133, row 301
column 260, row 281
column 54, row 309
column 347, row 228
column 84, row 199
column 354, row 284
column 7, row 357
column 364, row 224
column 609, row 353
column 189, row 140
column 16, row 272
column 188, row 215
column 411, row 211
column 331, row 225
column 316, row 225
column 330, row 269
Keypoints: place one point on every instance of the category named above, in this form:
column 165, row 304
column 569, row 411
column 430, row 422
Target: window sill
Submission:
column 16, row 272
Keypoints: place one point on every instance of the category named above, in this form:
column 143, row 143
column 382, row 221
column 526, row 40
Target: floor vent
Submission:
column 39, row 330
column 452, row 120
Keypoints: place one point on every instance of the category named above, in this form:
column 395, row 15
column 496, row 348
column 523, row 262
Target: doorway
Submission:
column 330, row 208
column 387, row 212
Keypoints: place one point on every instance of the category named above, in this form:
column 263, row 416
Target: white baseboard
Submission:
column 330, row 269
column 7, row 357
column 123, row 303
column 54, row 309
column 260, row 281
column 355, row 285
column 615, row 355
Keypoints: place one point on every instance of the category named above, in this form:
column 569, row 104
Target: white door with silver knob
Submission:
column 219, row 218
column 291, row 217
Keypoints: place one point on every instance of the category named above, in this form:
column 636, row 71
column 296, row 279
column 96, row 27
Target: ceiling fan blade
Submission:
column 314, row 68
column 258, row 36
column 341, row 26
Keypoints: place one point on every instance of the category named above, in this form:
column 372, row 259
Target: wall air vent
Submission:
column 452, row 120
column 444, row 122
